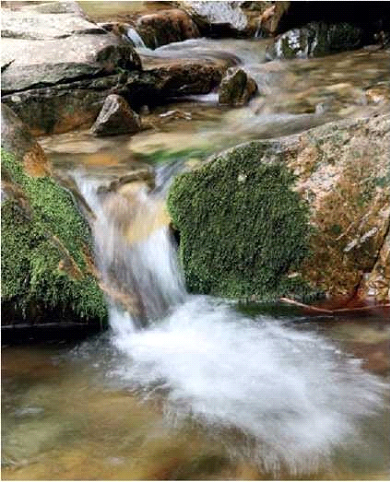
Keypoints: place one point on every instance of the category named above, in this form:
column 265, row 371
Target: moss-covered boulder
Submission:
column 299, row 215
column 242, row 227
column 47, row 267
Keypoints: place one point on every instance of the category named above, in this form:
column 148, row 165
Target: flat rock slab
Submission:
column 43, row 26
column 48, row 48
column 45, row 62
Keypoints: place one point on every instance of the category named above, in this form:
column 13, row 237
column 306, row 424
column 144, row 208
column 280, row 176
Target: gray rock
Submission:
column 30, row 25
column 61, row 107
column 50, row 48
column 217, row 14
column 314, row 40
column 116, row 117
column 236, row 88
column 55, row 7
column 45, row 62
column 57, row 67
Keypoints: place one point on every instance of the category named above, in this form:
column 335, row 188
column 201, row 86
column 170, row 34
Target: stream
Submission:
column 186, row 386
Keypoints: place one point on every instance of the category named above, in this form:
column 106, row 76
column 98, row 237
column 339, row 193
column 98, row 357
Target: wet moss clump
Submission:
column 45, row 251
column 243, row 230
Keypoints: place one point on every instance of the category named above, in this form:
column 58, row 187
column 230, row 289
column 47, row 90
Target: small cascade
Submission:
column 290, row 396
column 135, row 254
column 135, row 38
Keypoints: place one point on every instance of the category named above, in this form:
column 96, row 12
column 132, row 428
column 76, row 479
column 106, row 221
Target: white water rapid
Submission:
column 290, row 396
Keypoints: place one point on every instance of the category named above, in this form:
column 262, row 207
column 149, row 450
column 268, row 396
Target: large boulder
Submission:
column 217, row 17
column 55, row 66
column 316, row 39
column 296, row 216
column 236, row 88
column 166, row 26
column 372, row 21
column 116, row 117
column 48, row 274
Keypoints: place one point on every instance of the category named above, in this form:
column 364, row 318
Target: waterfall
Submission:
column 136, row 39
column 290, row 393
column 135, row 254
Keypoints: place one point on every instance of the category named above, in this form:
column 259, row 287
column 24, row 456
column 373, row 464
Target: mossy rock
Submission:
column 300, row 215
column 242, row 227
column 47, row 272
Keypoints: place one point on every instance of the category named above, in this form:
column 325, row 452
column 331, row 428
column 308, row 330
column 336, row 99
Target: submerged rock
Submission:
column 316, row 39
column 294, row 216
column 236, row 88
column 166, row 26
column 47, row 267
column 116, row 117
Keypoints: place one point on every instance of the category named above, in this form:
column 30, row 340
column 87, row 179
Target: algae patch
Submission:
column 243, row 228
column 45, row 250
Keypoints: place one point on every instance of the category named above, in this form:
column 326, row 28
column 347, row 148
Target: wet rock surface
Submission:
column 236, row 88
column 316, row 39
column 116, row 117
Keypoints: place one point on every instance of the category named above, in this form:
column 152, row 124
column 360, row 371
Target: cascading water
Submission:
column 135, row 38
column 292, row 394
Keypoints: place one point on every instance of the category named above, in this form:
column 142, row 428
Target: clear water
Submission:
column 191, row 387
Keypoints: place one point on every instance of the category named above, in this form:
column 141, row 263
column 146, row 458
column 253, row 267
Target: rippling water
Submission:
column 189, row 387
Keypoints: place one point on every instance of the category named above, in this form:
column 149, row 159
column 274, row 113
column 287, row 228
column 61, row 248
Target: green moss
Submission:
column 242, row 227
column 40, row 229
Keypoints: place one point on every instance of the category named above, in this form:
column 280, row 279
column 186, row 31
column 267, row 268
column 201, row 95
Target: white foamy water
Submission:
column 292, row 391
column 291, row 394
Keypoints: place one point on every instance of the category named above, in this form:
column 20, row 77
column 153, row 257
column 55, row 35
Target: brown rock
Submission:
column 16, row 138
column 236, row 88
column 166, row 26
column 116, row 117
